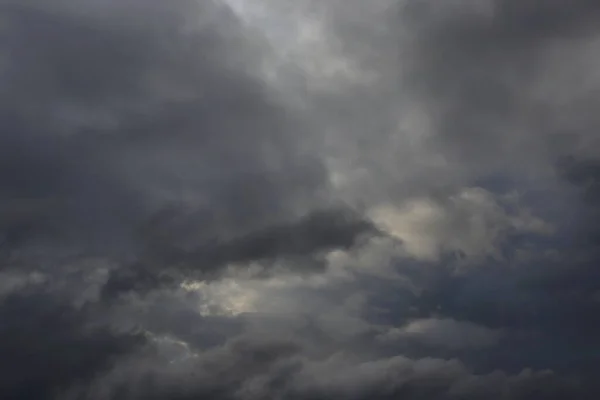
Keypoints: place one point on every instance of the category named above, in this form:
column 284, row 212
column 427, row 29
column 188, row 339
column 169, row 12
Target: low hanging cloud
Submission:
column 236, row 199
column 445, row 332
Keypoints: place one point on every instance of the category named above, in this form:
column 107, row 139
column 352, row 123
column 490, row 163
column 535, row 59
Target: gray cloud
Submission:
column 463, row 92
column 49, row 347
column 445, row 332
column 249, row 368
column 187, row 188
column 106, row 122
column 304, row 242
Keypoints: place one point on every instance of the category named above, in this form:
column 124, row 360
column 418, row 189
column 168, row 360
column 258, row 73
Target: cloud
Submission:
column 303, row 242
column 445, row 332
column 248, row 368
column 267, row 199
column 173, row 120
column 471, row 223
column 49, row 347
column 319, row 231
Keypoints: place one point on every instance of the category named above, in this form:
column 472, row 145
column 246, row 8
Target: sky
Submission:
column 299, row 200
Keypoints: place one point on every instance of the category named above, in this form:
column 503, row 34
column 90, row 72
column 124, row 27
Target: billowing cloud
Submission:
column 471, row 223
column 237, row 199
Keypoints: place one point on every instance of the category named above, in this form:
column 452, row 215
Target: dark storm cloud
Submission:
column 318, row 232
column 145, row 133
column 175, row 253
column 250, row 368
column 112, row 112
column 47, row 346
column 468, row 90
column 477, row 69
column 479, row 72
column 510, row 90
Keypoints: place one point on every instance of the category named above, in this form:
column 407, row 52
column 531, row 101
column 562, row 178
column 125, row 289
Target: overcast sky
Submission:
column 298, row 199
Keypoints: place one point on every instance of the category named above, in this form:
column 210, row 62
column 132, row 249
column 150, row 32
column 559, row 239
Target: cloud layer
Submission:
column 235, row 199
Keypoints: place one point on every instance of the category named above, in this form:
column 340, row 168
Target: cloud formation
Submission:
column 236, row 199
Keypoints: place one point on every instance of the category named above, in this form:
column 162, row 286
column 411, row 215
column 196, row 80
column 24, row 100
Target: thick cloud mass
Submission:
column 273, row 199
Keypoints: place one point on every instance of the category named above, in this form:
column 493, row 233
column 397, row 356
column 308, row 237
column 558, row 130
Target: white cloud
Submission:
column 226, row 297
column 472, row 222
